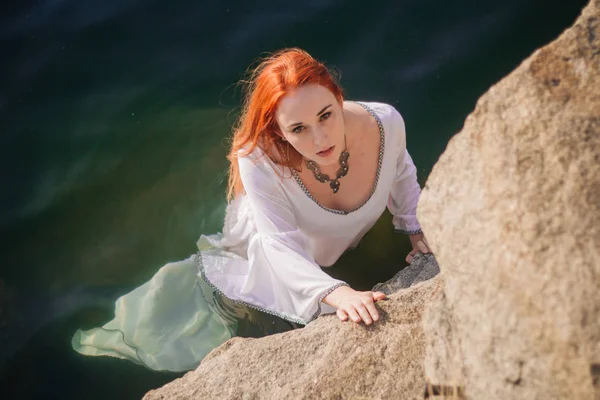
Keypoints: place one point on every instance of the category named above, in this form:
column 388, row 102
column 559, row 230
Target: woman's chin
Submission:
column 324, row 162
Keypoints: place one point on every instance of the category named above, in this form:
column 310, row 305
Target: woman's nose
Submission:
column 319, row 137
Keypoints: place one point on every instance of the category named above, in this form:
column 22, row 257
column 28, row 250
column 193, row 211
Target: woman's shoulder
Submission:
column 256, row 162
column 252, row 156
column 382, row 109
column 388, row 115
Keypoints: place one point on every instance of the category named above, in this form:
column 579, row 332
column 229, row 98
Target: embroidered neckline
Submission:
column 377, row 173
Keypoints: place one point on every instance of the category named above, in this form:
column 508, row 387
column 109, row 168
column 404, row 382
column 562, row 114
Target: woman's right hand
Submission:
column 358, row 306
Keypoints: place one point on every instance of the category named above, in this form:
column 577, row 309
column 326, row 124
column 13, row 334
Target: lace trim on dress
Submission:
column 408, row 232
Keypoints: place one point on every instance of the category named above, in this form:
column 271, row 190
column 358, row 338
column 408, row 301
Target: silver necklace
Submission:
column 334, row 183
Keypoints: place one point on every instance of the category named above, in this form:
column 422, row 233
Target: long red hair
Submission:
column 273, row 78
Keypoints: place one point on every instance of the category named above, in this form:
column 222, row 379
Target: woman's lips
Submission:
column 327, row 152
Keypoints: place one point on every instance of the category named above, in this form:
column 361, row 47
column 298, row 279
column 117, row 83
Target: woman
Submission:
column 310, row 174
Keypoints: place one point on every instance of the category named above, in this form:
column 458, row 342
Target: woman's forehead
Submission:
column 303, row 103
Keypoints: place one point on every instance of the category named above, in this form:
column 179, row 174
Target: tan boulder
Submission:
column 512, row 212
column 328, row 359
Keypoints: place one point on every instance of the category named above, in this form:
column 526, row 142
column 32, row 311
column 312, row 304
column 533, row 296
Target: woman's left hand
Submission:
column 419, row 244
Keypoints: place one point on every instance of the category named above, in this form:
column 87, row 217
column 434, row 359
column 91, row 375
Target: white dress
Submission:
column 269, row 256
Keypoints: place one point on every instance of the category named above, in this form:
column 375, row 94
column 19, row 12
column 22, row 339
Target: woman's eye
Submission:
column 298, row 129
column 326, row 115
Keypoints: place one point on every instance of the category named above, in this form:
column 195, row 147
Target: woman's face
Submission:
column 311, row 120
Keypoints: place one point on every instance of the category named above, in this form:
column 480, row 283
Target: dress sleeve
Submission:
column 284, row 278
column 405, row 190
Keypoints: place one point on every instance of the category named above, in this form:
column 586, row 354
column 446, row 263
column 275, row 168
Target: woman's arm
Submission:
column 405, row 192
column 404, row 196
column 284, row 276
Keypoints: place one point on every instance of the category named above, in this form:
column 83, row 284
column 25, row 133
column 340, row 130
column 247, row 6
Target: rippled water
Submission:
column 113, row 123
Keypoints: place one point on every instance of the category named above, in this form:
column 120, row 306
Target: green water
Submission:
column 114, row 117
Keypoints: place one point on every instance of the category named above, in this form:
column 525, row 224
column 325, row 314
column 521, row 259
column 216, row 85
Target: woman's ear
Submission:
column 280, row 135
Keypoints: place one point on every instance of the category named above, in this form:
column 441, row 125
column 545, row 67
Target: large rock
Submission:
column 328, row 359
column 512, row 212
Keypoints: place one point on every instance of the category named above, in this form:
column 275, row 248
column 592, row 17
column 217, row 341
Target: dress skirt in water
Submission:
column 173, row 321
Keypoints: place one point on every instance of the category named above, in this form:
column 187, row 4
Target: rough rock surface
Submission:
column 422, row 268
column 512, row 212
column 327, row 359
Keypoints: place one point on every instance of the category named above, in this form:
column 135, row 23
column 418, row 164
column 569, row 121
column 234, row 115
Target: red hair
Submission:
column 273, row 78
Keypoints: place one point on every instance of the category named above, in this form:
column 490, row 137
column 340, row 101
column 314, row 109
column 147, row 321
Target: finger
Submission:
column 342, row 315
column 422, row 247
column 409, row 258
column 353, row 314
column 427, row 244
column 379, row 296
column 364, row 313
column 372, row 310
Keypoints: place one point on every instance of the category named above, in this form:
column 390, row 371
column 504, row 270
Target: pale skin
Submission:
column 312, row 121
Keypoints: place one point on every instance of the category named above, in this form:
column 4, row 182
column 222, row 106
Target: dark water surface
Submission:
column 113, row 119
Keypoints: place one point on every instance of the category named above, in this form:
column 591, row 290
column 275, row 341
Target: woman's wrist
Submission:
column 414, row 239
column 332, row 298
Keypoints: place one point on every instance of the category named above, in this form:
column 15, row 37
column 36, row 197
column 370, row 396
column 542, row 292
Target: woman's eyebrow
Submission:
column 319, row 113
column 323, row 110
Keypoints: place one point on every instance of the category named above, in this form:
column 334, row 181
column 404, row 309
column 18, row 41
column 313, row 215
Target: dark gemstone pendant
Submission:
column 334, row 185
column 341, row 172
